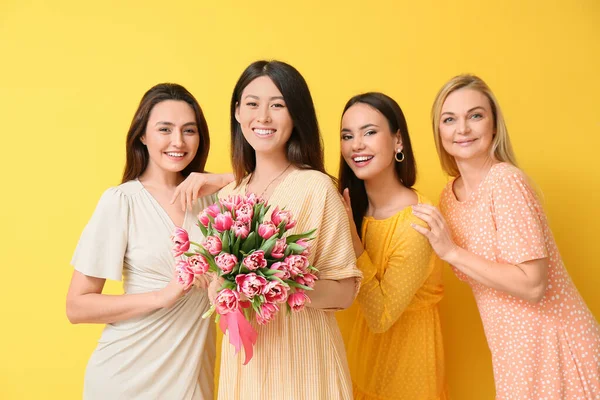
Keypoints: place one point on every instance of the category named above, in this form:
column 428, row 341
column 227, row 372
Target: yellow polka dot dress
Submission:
column 395, row 349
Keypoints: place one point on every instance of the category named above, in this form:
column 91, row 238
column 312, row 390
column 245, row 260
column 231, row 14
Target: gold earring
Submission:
column 396, row 155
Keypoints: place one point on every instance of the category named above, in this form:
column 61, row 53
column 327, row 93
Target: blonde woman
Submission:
column 491, row 228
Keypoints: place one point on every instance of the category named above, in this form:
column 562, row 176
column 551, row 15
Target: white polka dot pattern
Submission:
column 547, row 350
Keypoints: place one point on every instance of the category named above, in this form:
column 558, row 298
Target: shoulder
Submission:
column 231, row 188
column 505, row 176
column 314, row 181
column 128, row 188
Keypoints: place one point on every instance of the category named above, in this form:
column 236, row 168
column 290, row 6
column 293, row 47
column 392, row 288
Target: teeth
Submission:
column 175, row 154
column 361, row 159
column 264, row 131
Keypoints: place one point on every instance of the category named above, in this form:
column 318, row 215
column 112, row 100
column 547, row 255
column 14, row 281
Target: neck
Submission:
column 474, row 171
column 380, row 189
column 161, row 178
column 269, row 165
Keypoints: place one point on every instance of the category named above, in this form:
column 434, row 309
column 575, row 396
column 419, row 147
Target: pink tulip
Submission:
column 251, row 199
column 267, row 313
column 278, row 249
column 255, row 260
column 275, row 292
column 267, row 229
column 297, row 264
column 226, row 262
column 307, row 279
column 212, row 210
column 198, row 264
column 304, row 243
column 231, row 202
column 223, row 221
column 185, row 276
column 283, row 268
column 250, row 284
column 297, row 300
column 241, row 229
column 213, row 245
column 227, row 301
column 181, row 241
column 283, row 215
column 244, row 212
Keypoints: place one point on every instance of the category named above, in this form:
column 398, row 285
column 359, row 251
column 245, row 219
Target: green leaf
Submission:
column 203, row 229
column 297, row 285
column 249, row 243
column 268, row 245
column 225, row 242
column 305, row 235
column 295, row 248
column 236, row 246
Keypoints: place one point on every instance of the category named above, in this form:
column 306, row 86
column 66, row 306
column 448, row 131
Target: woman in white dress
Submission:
column 155, row 344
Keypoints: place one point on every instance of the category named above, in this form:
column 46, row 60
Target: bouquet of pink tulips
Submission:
column 263, row 268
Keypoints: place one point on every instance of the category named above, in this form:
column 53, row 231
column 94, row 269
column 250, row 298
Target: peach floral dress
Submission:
column 546, row 350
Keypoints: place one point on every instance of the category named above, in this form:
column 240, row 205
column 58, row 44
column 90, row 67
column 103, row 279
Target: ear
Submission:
column 143, row 139
column 237, row 112
column 399, row 140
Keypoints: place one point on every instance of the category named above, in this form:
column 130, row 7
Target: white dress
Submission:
column 168, row 353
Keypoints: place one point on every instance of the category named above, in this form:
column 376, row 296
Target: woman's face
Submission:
column 171, row 136
column 264, row 117
column 367, row 144
column 467, row 125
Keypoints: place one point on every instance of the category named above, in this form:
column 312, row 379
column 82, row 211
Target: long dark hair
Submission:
column 137, row 154
column 406, row 171
column 304, row 148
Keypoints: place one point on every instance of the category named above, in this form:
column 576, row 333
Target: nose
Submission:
column 177, row 138
column 357, row 143
column 264, row 115
column 463, row 126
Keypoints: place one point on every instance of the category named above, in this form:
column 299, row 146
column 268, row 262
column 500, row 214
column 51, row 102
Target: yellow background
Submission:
column 72, row 73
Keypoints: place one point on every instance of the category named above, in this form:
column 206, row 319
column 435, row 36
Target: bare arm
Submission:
column 87, row 304
column 332, row 295
column 526, row 280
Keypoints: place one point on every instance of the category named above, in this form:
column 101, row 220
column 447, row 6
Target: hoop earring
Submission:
column 396, row 156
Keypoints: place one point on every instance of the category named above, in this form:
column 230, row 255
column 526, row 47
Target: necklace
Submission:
column 273, row 180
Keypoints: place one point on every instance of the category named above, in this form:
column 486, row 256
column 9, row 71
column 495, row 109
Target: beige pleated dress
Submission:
column 299, row 356
column 168, row 353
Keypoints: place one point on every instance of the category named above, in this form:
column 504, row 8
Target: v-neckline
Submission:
column 162, row 209
column 244, row 190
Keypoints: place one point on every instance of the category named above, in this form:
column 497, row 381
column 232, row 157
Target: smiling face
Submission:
column 263, row 116
column 367, row 144
column 467, row 125
column 171, row 136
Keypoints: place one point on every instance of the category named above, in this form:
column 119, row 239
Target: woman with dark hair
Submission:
column 155, row 344
column 277, row 154
column 395, row 349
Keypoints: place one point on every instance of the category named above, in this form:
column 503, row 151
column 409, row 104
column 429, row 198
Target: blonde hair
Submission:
column 501, row 148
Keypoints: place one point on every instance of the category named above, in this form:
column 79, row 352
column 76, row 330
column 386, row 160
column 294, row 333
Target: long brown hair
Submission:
column 406, row 171
column 137, row 156
column 304, row 148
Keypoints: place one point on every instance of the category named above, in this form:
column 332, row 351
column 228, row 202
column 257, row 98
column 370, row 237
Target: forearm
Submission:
column 514, row 279
column 98, row 308
column 332, row 295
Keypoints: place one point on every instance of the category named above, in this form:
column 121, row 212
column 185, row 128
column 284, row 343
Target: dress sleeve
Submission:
column 519, row 219
column 102, row 245
column 333, row 251
column 384, row 298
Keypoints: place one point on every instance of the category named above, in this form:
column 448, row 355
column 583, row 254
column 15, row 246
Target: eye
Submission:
column 346, row 136
column 164, row 129
column 251, row 104
column 190, row 131
column 278, row 105
column 370, row 132
column 476, row 116
column 448, row 120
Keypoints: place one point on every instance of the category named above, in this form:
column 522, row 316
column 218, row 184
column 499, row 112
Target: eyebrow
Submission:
column 361, row 128
column 172, row 124
column 258, row 98
column 472, row 109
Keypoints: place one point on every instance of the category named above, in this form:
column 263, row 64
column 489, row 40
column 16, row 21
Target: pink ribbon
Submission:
column 241, row 333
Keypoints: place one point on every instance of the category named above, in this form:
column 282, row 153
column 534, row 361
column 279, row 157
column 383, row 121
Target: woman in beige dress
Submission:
column 277, row 154
column 155, row 344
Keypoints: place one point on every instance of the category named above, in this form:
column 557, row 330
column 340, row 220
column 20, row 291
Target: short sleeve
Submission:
column 334, row 254
column 519, row 219
column 102, row 245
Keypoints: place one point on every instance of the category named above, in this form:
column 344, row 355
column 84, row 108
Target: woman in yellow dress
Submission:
column 395, row 349
column 277, row 154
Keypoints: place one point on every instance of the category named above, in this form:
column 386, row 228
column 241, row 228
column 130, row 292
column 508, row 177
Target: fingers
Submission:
column 347, row 203
column 188, row 197
column 422, row 230
column 176, row 194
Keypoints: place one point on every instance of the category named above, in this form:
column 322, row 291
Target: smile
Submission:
column 174, row 154
column 362, row 159
column 264, row 132
column 465, row 143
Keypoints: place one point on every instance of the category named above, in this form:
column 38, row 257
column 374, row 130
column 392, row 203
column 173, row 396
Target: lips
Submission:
column 361, row 160
column 465, row 143
column 175, row 155
column 264, row 131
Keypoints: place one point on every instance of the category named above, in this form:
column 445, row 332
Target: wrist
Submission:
column 451, row 257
